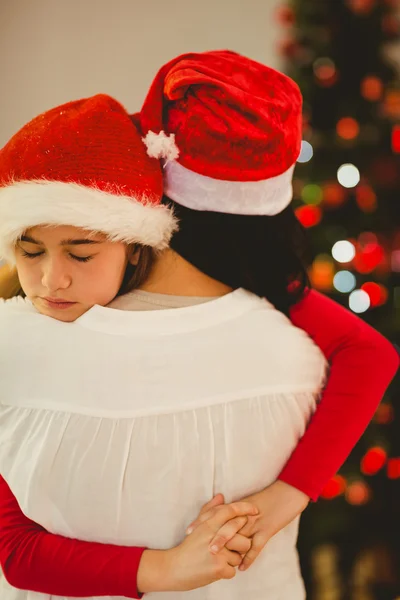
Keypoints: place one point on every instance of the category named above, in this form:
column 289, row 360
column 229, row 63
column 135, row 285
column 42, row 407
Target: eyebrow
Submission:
column 69, row 242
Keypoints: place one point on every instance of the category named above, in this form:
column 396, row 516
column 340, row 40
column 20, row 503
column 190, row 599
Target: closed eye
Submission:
column 36, row 254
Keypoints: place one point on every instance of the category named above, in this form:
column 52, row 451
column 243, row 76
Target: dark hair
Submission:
column 135, row 275
column 265, row 255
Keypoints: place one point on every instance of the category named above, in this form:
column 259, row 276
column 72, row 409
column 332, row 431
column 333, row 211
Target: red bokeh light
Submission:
column 368, row 257
column 335, row 487
column 393, row 468
column 358, row 493
column 396, row 139
column 373, row 461
column 347, row 128
column 384, row 414
column 333, row 194
column 377, row 293
column 372, row 88
column 366, row 198
column 309, row 215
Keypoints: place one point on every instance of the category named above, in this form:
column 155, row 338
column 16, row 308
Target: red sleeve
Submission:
column 35, row 560
column 362, row 365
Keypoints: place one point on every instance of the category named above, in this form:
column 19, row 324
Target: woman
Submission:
column 166, row 277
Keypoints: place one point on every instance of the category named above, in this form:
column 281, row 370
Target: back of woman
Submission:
column 218, row 405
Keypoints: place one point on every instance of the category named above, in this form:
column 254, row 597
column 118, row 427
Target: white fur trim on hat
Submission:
column 28, row 204
column 198, row 192
column 161, row 145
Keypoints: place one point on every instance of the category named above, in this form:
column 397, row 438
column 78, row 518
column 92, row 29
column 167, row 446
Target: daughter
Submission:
column 233, row 324
column 58, row 177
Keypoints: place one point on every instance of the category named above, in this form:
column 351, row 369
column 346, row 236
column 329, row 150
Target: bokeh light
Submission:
column 347, row 128
column 344, row 281
column 373, row 460
column 359, row 301
column 312, row 194
column 309, row 216
column 358, row 493
column 372, row 88
column 306, row 152
column 343, row 251
column 348, row 175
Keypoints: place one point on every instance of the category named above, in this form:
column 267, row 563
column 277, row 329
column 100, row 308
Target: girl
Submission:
column 110, row 200
column 166, row 276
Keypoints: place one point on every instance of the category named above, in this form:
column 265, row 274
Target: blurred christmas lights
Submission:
column 348, row 175
column 347, row 128
column 309, row 216
column 322, row 272
column 396, row 139
column 343, row 251
column 377, row 293
column 361, row 7
column 359, row 301
column 335, row 487
column 325, row 71
column 358, row 493
column 312, row 194
column 395, row 261
column 366, row 198
column 344, row 281
column 306, row 152
column 333, row 194
column 372, row 88
column 373, row 461
column 384, row 414
column 393, row 468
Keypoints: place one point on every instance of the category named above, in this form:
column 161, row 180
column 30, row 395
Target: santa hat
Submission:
column 229, row 131
column 82, row 164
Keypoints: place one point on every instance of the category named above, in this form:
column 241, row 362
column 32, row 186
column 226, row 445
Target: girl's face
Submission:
column 66, row 270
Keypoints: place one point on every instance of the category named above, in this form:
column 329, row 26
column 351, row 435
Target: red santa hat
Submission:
column 82, row 164
column 229, row 131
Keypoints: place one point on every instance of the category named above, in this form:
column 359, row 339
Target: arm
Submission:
column 33, row 559
column 362, row 365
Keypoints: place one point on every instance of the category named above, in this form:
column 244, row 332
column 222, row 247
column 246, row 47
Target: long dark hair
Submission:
column 265, row 255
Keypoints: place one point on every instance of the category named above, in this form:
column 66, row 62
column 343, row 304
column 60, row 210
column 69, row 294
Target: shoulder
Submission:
column 17, row 304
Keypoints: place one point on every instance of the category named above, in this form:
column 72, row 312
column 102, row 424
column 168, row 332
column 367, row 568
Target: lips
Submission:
column 58, row 303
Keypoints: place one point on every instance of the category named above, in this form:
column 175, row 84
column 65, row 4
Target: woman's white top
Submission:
column 118, row 427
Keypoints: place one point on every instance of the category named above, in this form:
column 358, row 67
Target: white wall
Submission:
column 53, row 51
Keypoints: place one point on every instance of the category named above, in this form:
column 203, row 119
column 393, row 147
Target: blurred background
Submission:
column 345, row 56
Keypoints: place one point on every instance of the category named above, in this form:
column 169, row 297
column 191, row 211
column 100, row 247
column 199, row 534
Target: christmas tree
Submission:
column 347, row 193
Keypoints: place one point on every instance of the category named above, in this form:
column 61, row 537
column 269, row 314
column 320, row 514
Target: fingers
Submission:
column 218, row 516
column 248, row 529
column 226, row 533
column 216, row 501
column 233, row 558
column 257, row 545
column 239, row 543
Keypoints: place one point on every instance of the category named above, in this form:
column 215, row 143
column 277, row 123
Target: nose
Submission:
column 55, row 275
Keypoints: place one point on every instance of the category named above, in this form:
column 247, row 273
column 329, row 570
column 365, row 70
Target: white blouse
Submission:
column 118, row 427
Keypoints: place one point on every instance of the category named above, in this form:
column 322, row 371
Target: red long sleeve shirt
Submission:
column 362, row 364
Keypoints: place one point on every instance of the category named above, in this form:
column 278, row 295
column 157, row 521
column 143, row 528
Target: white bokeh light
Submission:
column 306, row 152
column 359, row 301
column 348, row 175
column 343, row 251
column 344, row 281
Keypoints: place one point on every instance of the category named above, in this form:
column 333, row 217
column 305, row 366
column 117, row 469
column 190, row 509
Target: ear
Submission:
column 134, row 254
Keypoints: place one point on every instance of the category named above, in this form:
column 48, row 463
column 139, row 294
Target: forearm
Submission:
column 362, row 365
column 33, row 559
